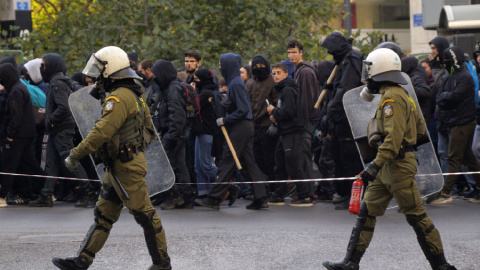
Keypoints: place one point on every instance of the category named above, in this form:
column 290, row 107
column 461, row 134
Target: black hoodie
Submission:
column 438, row 72
column 57, row 111
column 19, row 121
column 205, row 122
column 456, row 95
column 171, row 107
column 240, row 109
column 348, row 76
column 9, row 59
column 419, row 79
column 288, row 113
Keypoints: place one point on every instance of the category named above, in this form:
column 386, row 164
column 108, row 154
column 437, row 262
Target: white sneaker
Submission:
column 3, row 202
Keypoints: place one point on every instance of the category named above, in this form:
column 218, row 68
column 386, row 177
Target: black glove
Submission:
column 370, row 172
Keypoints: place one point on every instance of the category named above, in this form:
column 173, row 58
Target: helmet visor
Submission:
column 94, row 67
column 366, row 70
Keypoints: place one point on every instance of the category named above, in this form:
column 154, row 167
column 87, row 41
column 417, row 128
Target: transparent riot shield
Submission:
column 359, row 112
column 87, row 110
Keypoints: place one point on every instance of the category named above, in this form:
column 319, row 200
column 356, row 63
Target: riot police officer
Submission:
column 119, row 138
column 392, row 173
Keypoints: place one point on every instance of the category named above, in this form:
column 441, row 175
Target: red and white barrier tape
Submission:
column 225, row 183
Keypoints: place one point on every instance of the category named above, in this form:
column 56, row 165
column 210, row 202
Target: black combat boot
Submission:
column 72, row 263
column 42, row 201
column 353, row 256
column 422, row 225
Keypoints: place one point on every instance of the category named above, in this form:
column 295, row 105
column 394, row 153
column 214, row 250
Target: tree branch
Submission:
column 46, row 10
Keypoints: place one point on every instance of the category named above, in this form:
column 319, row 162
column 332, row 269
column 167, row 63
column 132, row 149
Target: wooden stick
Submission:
column 230, row 145
column 324, row 91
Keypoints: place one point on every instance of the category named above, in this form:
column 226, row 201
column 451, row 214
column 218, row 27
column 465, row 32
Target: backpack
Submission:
column 192, row 102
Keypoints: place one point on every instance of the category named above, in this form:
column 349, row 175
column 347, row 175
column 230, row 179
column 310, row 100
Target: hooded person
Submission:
column 265, row 133
column 419, row 79
column 205, row 128
column 9, row 59
column 348, row 76
column 171, row 112
column 437, row 46
column 19, row 130
column 60, row 126
column 456, row 100
column 238, row 123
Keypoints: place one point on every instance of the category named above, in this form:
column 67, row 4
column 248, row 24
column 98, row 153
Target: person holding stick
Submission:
column 239, row 126
column 347, row 76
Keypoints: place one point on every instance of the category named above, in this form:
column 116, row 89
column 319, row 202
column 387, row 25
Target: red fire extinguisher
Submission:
column 356, row 198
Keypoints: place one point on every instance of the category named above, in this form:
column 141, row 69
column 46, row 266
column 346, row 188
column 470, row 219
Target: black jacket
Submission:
column 288, row 113
column 205, row 120
column 19, row 122
column 419, row 79
column 456, row 94
column 306, row 78
column 171, row 108
column 57, row 111
column 240, row 108
column 152, row 94
column 348, row 76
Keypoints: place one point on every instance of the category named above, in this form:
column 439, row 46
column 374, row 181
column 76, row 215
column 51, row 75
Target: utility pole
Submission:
column 348, row 18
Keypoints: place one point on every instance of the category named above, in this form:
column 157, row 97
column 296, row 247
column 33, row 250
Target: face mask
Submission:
column 44, row 74
column 367, row 95
column 448, row 65
column 261, row 73
column 198, row 85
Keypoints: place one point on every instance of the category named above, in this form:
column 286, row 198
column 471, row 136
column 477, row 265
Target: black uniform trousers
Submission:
column 19, row 154
column 241, row 136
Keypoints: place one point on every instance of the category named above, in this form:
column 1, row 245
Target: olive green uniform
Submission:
column 122, row 122
column 400, row 123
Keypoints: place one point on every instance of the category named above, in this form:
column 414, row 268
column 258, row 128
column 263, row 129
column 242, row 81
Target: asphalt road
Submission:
column 280, row 237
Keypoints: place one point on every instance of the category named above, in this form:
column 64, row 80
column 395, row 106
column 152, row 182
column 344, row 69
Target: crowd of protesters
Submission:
column 268, row 111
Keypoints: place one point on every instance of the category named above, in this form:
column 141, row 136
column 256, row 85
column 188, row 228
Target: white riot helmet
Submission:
column 110, row 62
column 383, row 65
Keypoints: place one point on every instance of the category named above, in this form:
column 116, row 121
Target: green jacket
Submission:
column 399, row 121
column 119, row 106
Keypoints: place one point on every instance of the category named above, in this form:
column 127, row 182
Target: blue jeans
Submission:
column 205, row 170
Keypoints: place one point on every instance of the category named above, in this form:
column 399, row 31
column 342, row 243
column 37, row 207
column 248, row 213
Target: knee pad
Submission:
column 109, row 193
column 98, row 214
column 144, row 219
column 414, row 221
